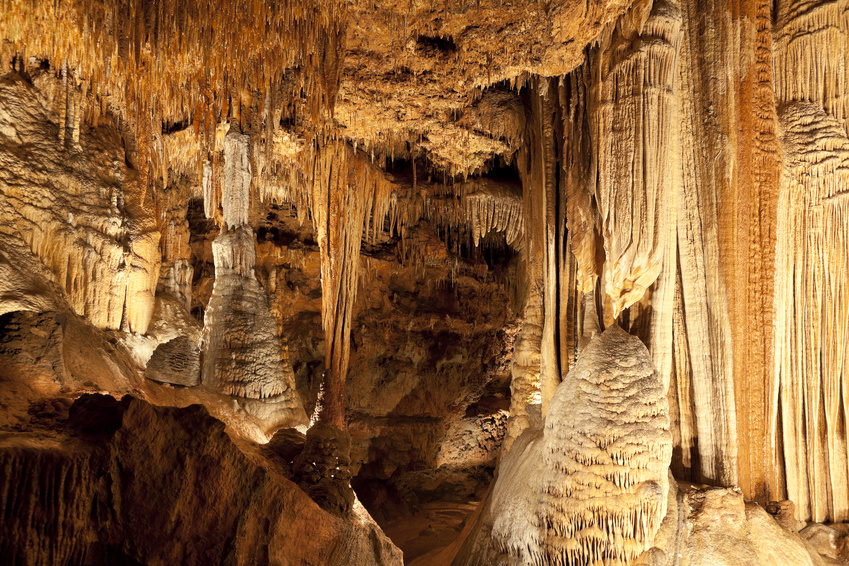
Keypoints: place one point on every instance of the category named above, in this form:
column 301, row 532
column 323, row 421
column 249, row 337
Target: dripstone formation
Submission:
column 523, row 283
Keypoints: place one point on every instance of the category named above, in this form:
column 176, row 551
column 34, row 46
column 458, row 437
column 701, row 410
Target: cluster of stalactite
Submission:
column 597, row 173
column 189, row 64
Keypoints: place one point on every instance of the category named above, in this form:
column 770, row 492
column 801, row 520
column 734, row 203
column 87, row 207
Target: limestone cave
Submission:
column 448, row 283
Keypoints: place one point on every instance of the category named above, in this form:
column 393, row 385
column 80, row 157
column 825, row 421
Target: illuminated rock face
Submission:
column 78, row 206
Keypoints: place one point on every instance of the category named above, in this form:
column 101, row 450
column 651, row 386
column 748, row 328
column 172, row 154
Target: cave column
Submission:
column 342, row 194
column 536, row 363
column 242, row 354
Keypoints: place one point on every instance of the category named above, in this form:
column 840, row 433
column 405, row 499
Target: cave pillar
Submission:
column 343, row 195
column 811, row 339
column 242, row 354
column 536, row 363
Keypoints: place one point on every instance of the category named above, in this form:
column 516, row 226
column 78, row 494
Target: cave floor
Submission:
column 431, row 529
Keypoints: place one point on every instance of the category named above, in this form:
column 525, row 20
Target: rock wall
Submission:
column 125, row 481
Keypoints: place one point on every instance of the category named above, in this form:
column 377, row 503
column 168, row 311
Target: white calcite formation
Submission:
column 592, row 486
column 242, row 354
column 606, row 451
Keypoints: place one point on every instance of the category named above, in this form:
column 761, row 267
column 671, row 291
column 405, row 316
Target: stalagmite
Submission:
column 592, row 486
column 242, row 355
column 603, row 492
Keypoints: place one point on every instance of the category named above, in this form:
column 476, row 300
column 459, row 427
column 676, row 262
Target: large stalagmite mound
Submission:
column 592, row 486
column 606, row 451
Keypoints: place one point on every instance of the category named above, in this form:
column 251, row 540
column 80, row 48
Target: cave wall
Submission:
column 696, row 127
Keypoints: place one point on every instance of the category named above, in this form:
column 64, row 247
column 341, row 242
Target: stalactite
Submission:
column 582, row 216
column 811, row 54
column 536, row 367
column 235, row 196
column 347, row 195
column 180, row 59
column 633, row 71
column 493, row 208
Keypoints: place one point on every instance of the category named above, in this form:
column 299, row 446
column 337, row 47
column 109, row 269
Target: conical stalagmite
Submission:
column 591, row 486
column 242, row 355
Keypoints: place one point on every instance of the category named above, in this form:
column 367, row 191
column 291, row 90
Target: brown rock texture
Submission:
column 126, row 481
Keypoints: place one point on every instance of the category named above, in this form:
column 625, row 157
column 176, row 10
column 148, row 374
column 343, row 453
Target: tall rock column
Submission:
column 242, row 355
column 812, row 294
column 347, row 192
column 536, row 363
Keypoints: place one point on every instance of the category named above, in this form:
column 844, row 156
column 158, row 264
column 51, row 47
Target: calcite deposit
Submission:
column 272, row 271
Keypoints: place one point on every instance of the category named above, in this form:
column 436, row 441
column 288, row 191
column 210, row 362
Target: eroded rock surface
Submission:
column 132, row 483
